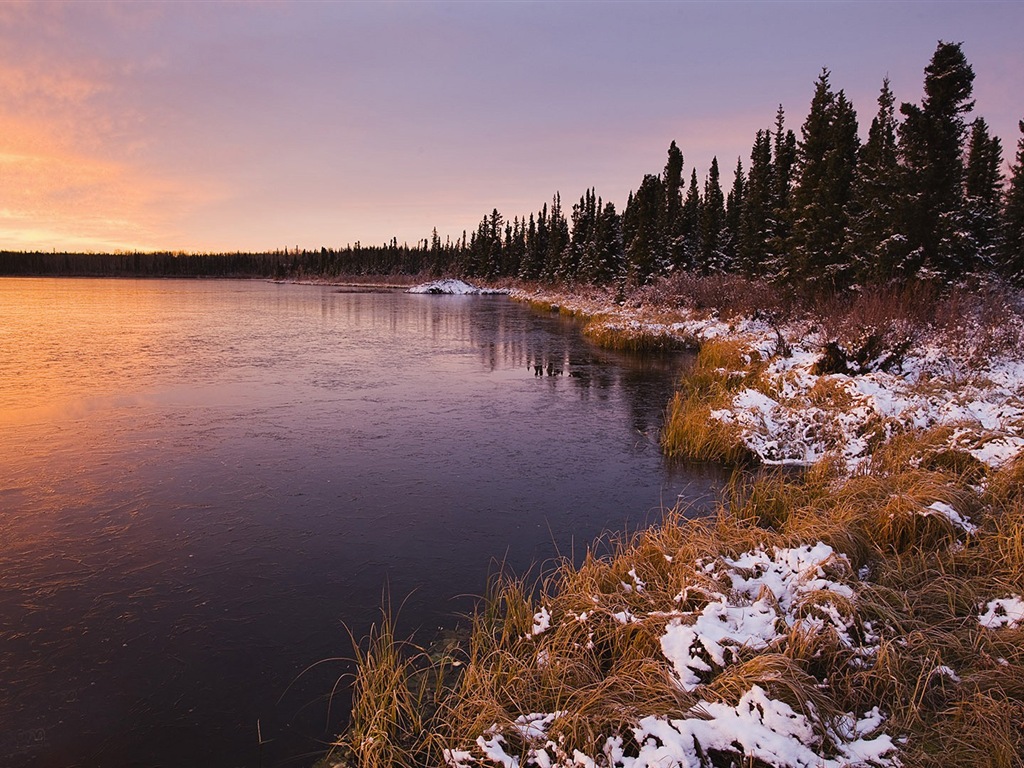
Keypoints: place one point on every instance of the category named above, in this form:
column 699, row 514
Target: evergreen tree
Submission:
column 690, row 227
column 874, row 245
column 608, row 241
column 983, row 185
column 558, row 240
column 826, row 154
column 584, row 231
column 931, row 143
column 757, row 222
column 733, row 218
column 783, row 168
column 532, row 267
column 1012, row 261
column 712, row 223
column 641, row 220
column 672, row 210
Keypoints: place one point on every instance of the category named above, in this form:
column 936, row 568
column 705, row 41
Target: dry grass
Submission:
column 721, row 369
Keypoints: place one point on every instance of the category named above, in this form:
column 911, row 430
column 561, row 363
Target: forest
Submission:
column 923, row 198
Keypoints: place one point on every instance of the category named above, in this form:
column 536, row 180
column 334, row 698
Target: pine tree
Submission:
column 874, row 245
column 712, row 223
column 1012, row 261
column 642, row 219
column 608, row 239
column 784, row 164
column 931, row 146
column 690, row 229
column 584, row 231
column 733, row 218
column 558, row 240
column 757, row 220
column 983, row 185
column 672, row 210
column 827, row 156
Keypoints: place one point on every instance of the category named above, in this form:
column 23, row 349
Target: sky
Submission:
column 217, row 126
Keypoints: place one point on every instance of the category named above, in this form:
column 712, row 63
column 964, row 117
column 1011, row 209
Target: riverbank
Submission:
column 863, row 608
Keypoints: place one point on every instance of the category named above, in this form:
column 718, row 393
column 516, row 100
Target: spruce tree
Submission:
column 983, row 185
column 784, row 165
column 642, row 219
column 690, row 229
column 931, row 146
column 1012, row 261
column 712, row 223
column 608, row 238
column 827, row 156
column 874, row 244
column 757, row 222
column 558, row 240
column 672, row 209
column 733, row 218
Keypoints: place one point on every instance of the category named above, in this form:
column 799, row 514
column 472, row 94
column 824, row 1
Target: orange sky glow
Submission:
column 256, row 126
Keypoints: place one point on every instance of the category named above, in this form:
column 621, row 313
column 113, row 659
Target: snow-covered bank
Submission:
column 792, row 415
column 453, row 287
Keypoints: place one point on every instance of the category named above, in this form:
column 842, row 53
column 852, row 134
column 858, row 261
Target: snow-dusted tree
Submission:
column 1012, row 262
column 931, row 141
column 558, row 240
column 784, row 159
column 641, row 220
column 672, row 209
column 532, row 266
column 826, row 161
column 608, row 238
column 690, row 229
column 874, row 244
column 733, row 217
column 757, row 220
column 983, row 186
column 712, row 222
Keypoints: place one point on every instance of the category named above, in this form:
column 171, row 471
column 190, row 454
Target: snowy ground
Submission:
column 793, row 417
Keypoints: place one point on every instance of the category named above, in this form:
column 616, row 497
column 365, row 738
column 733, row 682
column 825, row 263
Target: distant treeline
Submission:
column 924, row 197
column 386, row 259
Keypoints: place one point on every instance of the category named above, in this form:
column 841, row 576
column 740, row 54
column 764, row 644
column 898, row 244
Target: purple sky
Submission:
column 223, row 126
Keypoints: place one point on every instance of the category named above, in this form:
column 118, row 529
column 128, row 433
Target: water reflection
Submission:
column 202, row 482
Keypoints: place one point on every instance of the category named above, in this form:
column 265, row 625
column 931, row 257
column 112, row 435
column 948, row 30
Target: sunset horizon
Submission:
column 198, row 128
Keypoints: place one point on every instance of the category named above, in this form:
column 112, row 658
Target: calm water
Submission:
column 203, row 483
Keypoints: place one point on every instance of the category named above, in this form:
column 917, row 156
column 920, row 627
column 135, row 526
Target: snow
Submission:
column 764, row 595
column 453, row 287
column 958, row 520
column 767, row 590
column 1003, row 612
column 541, row 621
column 757, row 728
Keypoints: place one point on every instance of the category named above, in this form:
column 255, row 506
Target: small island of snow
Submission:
column 453, row 287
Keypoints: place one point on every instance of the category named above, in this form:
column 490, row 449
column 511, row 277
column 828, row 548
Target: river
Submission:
column 205, row 484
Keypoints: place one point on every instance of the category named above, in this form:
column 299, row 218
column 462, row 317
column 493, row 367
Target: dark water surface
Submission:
column 203, row 483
